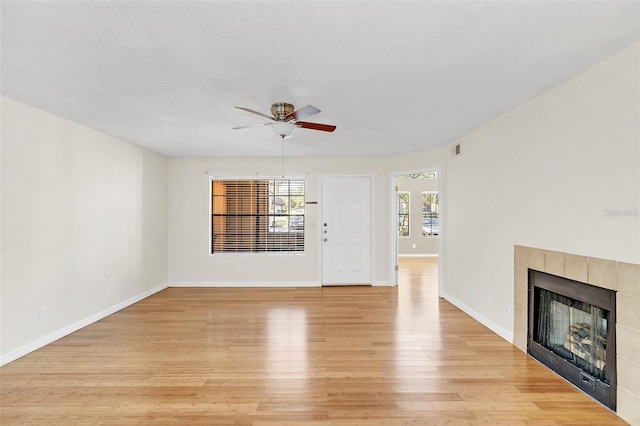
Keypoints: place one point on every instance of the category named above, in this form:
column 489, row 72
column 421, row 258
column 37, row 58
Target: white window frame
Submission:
column 407, row 213
column 261, row 237
column 437, row 215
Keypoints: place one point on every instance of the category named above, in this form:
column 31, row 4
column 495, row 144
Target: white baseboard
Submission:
column 50, row 338
column 242, row 284
column 228, row 284
column 500, row 331
column 419, row 255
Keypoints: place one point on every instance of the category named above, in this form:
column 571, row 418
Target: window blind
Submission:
column 261, row 215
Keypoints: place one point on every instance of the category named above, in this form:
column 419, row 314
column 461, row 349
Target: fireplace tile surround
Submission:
column 624, row 278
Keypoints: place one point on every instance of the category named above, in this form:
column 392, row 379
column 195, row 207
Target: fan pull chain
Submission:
column 283, row 157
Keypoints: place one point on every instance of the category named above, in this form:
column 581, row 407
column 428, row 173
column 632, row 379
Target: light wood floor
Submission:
column 339, row 355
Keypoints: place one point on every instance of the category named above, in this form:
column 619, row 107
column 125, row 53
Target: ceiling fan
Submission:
column 285, row 119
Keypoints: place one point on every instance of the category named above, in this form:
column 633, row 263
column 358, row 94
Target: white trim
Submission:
column 419, row 255
column 382, row 284
column 442, row 223
column 52, row 337
column 395, row 251
column 500, row 331
column 228, row 284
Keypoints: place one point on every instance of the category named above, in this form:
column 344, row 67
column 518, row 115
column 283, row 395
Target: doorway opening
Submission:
column 416, row 229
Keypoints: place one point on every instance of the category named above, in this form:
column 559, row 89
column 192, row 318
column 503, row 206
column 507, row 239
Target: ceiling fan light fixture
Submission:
column 285, row 119
column 284, row 129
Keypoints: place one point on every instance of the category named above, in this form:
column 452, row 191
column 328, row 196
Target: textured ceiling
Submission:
column 394, row 77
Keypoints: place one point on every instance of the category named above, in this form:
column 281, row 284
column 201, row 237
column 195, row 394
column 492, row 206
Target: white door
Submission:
column 346, row 230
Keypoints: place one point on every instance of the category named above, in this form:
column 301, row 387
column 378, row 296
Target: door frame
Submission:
column 393, row 235
column 371, row 217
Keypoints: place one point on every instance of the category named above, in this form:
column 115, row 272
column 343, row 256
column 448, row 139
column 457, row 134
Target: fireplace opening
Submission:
column 572, row 331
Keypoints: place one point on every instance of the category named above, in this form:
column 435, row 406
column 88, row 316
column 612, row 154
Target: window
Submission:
column 403, row 214
column 261, row 215
column 431, row 175
column 430, row 208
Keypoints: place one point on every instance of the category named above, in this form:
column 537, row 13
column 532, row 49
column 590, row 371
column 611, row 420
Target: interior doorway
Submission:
column 416, row 228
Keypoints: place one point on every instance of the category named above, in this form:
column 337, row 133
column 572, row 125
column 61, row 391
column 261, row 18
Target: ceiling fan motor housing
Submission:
column 280, row 110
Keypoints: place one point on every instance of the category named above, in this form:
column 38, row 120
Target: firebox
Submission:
column 571, row 329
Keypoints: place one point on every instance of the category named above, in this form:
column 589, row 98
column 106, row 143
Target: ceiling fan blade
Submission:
column 251, row 125
column 315, row 126
column 256, row 112
column 303, row 112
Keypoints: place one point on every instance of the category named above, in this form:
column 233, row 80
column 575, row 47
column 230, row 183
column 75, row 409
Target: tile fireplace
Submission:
column 623, row 279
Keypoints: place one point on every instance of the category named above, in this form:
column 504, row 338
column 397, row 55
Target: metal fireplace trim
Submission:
column 583, row 292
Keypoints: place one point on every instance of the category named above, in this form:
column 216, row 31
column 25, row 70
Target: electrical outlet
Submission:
column 73, row 302
column 42, row 313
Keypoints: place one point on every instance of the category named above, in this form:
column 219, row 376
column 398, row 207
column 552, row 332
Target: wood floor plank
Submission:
column 291, row 356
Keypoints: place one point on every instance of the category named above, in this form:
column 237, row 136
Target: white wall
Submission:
column 189, row 242
column 84, row 216
column 545, row 175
